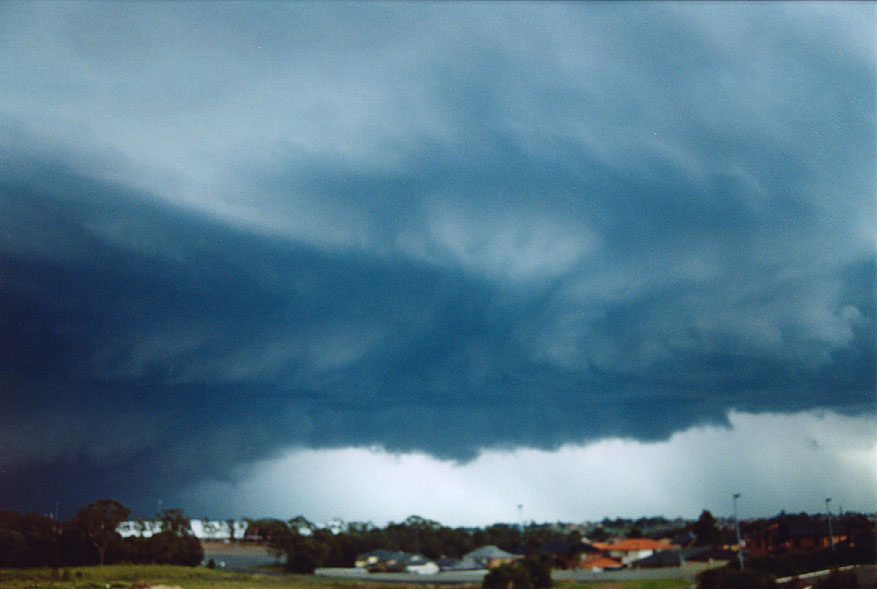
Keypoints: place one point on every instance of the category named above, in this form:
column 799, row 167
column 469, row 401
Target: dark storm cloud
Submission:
column 439, row 229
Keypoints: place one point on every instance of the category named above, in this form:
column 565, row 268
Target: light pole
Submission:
column 521, row 519
column 737, row 526
column 830, row 532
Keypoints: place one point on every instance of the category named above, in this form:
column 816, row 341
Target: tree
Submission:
column 175, row 544
column 173, row 520
column 302, row 525
column 706, row 530
column 539, row 569
column 305, row 554
column 168, row 547
column 275, row 534
column 598, row 534
column 13, row 548
column 508, row 576
column 99, row 521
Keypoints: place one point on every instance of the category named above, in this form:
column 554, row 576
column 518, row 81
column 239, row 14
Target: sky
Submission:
column 369, row 260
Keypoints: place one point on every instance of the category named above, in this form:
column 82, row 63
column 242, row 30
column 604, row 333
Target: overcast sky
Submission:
column 365, row 260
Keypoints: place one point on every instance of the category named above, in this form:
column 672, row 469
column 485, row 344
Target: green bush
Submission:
column 304, row 555
column 534, row 572
column 728, row 578
column 795, row 563
column 539, row 569
column 508, row 576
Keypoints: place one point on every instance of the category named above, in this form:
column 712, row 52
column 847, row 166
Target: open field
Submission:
column 128, row 576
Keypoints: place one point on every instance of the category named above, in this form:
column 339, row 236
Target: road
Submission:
column 238, row 556
column 688, row 572
column 867, row 575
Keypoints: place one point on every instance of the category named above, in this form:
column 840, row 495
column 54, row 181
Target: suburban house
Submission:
column 139, row 528
column 794, row 532
column 491, row 556
column 387, row 561
column 599, row 562
column 566, row 555
column 219, row 530
column 633, row 549
column 419, row 564
column 201, row 528
column 680, row 556
column 458, row 564
column 379, row 558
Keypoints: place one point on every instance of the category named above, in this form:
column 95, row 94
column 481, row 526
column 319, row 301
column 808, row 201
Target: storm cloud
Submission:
column 229, row 230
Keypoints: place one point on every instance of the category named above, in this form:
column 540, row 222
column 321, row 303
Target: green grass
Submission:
column 637, row 584
column 657, row 584
column 123, row 576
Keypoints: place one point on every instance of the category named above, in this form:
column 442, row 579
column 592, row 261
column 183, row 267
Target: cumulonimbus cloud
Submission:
column 283, row 238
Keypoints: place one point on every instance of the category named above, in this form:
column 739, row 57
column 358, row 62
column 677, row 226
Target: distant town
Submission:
column 422, row 546
column 105, row 532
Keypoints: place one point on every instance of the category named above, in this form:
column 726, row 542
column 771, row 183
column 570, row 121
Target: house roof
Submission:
column 463, row 564
column 487, row 552
column 414, row 559
column 600, row 562
column 661, row 558
column 383, row 555
column 634, row 544
column 676, row 556
column 799, row 526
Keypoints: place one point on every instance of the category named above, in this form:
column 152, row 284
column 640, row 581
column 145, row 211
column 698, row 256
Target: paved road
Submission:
column 237, row 557
column 867, row 575
column 460, row 577
column 442, row 578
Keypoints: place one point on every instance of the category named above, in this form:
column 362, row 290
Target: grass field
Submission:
column 639, row 584
column 139, row 576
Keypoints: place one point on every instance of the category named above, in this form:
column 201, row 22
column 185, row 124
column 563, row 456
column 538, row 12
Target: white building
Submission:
column 218, row 530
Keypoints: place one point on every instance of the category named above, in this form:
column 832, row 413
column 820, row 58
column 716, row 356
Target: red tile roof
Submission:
column 600, row 562
column 633, row 544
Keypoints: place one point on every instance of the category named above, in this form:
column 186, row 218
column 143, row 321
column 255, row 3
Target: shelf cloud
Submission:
column 229, row 232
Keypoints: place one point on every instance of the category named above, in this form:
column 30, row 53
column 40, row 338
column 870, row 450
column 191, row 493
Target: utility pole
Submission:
column 737, row 526
column 521, row 519
column 830, row 532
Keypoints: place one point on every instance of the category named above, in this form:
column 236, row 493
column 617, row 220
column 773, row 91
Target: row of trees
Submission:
column 306, row 546
column 90, row 538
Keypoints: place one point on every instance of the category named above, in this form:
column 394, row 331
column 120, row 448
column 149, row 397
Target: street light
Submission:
column 737, row 526
column 830, row 532
column 521, row 519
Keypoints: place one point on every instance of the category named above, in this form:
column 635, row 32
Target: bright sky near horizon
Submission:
column 368, row 260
